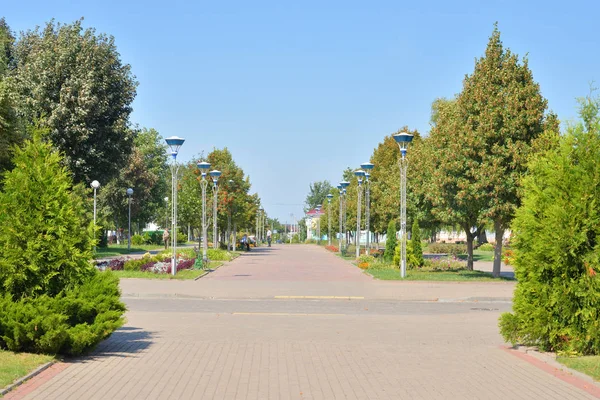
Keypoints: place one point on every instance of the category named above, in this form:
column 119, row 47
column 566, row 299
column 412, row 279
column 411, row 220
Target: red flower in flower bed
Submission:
column 332, row 248
column 185, row 264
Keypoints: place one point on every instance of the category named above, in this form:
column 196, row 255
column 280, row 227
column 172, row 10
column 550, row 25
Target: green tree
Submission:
column 502, row 112
column 46, row 237
column 390, row 243
column 10, row 132
column 73, row 82
column 415, row 245
column 317, row 194
column 557, row 251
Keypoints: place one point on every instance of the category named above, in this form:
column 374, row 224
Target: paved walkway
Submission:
column 262, row 327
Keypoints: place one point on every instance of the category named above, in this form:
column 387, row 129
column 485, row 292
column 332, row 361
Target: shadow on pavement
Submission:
column 124, row 342
column 259, row 251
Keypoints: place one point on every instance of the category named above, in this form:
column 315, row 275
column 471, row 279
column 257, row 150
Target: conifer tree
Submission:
column 46, row 236
column 390, row 242
column 415, row 244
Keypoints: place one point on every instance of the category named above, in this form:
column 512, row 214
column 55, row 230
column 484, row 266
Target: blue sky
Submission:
column 298, row 91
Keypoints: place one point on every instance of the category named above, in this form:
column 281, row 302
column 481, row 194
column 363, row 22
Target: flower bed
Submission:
column 332, row 248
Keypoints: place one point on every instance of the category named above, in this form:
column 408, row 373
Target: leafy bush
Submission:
column 138, row 240
column 486, row 247
column 310, row 241
column 219, row 255
column 416, row 259
column 136, row 265
column 71, row 323
column 46, row 238
column 390, row 243
column 556, row 245
column 116, row 264
column 364, row 261
column 447, row 248
column 181, row 238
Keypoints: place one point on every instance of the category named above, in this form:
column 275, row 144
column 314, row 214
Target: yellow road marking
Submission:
column 285, row 314
column 321, row 297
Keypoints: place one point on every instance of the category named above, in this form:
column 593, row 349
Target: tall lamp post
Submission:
column 215, row 178
column 360, row 174
column 174, row 143
column 403, row 139
column 230, row 182
column 340, row 190
column 318, row 208
column 95, row 185
column 344, row 184
column 367, row 167
column 129, row 193
column 166, row 212
column 204, row 166
column 329, row 197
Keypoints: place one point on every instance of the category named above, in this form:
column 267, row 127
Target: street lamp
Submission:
column 95, row 185
column 344, row 184
column 129, row 193
column 318, row 208
column 341, row 191
column 230, row 182
column 215, row 178
column 174, row 143
column 360, row 174
column 403, row 139
column 166, row 212
column 367, row 167
column 329, row 197
column 204, row 166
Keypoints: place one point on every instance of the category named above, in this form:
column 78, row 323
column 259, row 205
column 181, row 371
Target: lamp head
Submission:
column 367, row 166
column 403, row 139
column 215, row 174
column 345, row 184
column 329, row 197
column 174, row 143
column 203, row 166
column 129, row 192
column 95, row 184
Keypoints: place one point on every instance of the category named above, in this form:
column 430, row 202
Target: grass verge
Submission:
column 16, row 365
column 479, row 255
column 589, row 365
column 452, row 276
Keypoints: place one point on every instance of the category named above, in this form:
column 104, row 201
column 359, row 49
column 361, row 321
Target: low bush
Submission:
column 310, row 241
column 332, row 248
column 135, row 265
column 71, row 323
column 486, row 247
column 137, row 240
column 181, row 238
column 447, row 248
column 116, row 264
column 219, row 255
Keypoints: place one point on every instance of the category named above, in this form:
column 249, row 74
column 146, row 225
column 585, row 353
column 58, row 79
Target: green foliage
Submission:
column 390, row 244
column 317, row 194
column 557, row 246
column 138, row 240
column 181, row 238
column 219, row 255
column 447, row 248
column 486, row 247
column 396, row 259
column 46, row 237
column 72, row 82
column 415, row 246
column 71, row 323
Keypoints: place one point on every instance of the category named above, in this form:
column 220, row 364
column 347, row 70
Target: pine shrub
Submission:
column 390, row 242
column 46, row 238
column 415, row 246
column 557, row 246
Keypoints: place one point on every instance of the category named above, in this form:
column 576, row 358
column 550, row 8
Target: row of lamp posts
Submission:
column 402, row 139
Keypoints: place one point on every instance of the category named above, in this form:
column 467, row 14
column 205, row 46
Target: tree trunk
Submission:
column 470, row 237
column 499, row 231
column 481, row 236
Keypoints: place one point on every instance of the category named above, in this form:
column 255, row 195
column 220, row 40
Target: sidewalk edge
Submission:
column 25, row 378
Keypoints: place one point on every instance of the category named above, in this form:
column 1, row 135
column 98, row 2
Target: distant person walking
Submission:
column 166, row 238
column 269, row 237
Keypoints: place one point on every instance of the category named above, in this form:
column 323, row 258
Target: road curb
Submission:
column 30, row 375
column 550, row 359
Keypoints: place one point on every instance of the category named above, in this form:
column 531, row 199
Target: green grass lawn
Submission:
column 121, row 249
column 589, row 365
column 479, row 255
column 461, row 275
column 16, row 365
column 181, row 275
